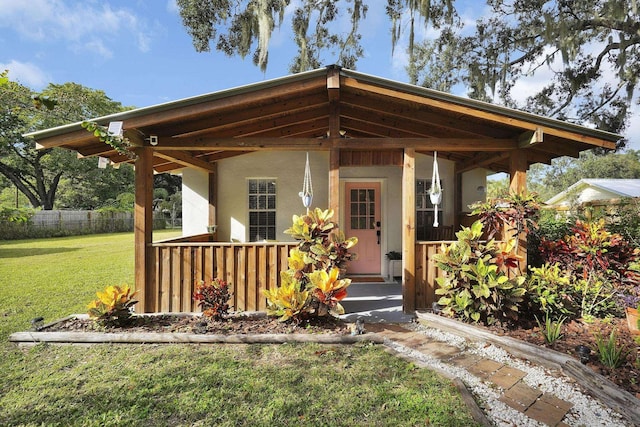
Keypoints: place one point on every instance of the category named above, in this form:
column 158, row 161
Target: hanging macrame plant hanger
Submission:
column 435, row 193
column 307, row 186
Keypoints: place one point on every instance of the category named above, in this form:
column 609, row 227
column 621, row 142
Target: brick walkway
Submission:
column 533, row 403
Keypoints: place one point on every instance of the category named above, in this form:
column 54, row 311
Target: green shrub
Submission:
column 551, row 329
column 610, row 353
column 475, row 285
column 548, row 291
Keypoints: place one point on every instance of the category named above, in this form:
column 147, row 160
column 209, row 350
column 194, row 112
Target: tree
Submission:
column 564, row 172
column 239, row 27
column 591, row 47
column 38, row 173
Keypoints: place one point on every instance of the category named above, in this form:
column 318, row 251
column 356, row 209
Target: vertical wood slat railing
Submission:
column 249, row 268
column 426, row 273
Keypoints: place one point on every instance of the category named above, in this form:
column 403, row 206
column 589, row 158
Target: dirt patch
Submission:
column 577, row 333
column 169, row 323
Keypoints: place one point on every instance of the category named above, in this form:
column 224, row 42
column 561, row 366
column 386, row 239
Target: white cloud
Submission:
column 172, row 6
column 46, row 20
column 632, row 133
column 27, row 74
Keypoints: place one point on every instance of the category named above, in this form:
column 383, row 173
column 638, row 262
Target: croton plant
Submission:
column 313, row 285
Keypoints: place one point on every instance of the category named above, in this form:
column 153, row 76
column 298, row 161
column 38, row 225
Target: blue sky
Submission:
column 139, row 54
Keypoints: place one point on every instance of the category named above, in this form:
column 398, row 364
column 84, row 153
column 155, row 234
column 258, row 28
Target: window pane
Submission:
column 262, row 205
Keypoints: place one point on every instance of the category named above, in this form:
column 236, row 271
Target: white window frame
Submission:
column 261, row 205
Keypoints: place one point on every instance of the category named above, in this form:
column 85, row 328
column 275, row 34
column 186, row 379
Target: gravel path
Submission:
column 586, row 410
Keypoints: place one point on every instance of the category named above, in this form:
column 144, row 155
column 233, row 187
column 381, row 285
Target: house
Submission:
column 371, row 143
column 590, row 190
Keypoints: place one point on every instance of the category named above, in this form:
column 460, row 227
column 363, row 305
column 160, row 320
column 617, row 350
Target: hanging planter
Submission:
column 435, row 193
column 307, row 187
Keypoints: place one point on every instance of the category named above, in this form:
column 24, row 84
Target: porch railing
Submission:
column 426, row 273
column 250, row 268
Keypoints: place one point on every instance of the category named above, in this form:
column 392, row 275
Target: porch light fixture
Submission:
column 307, row 187
column 435, row 193
column 115, row 129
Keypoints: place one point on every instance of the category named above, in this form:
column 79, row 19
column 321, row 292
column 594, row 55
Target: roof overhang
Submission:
column 333, row 108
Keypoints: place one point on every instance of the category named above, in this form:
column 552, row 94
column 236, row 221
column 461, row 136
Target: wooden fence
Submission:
column 249, row 268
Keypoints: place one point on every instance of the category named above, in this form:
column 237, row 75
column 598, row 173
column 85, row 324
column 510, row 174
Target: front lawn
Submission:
column 186, row 385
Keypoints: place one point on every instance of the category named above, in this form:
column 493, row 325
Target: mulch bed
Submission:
column 577, row 333
column 169, row 323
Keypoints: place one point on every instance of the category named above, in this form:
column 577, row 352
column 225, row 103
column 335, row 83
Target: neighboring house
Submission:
column 371, row 141
column 589, row 190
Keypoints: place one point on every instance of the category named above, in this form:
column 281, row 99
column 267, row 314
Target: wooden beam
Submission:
column 530, row 138
column 409, row 231
column 185, row 159
column 518, row 171
column 293, row 144
column 143, row 220
column 481, row 160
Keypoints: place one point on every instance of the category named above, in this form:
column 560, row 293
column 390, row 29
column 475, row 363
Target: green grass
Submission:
column 226, row 385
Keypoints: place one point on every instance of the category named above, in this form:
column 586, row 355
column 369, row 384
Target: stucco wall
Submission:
column 474, row 185
column 287, row 169
column 195, row 202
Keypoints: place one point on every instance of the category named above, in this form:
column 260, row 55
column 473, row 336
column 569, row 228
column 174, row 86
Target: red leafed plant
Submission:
column 591, row 248
column 213, row 298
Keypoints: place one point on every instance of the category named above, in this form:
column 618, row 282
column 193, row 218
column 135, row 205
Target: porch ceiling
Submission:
column 333, row 108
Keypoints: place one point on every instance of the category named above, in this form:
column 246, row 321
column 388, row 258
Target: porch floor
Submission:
column 375, row 302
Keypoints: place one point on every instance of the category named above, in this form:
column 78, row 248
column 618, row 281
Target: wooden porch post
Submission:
column 409, row 231
column 333, row 92
column 518, row 171
column 143, row 223
column 518, row 184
